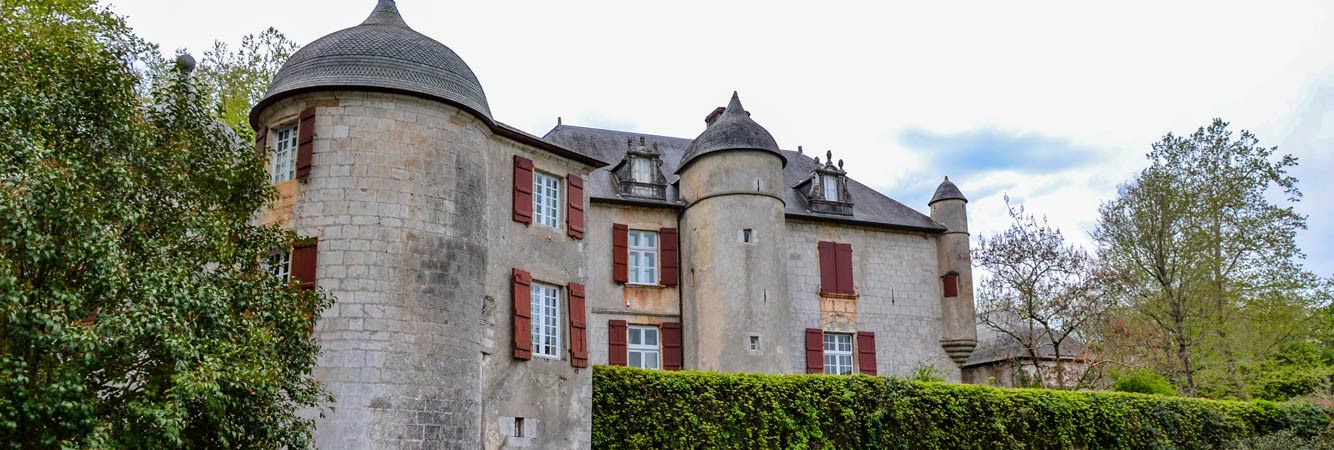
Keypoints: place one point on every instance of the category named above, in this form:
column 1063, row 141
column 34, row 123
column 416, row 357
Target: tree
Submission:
column 134, row 309
column 234, row 81
column 1214, row 263
column 1038, row 291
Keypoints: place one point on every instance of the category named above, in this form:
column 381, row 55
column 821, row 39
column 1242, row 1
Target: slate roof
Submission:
column 870, row 208
column 382, row 53
column 947, row 191
column 732, row 130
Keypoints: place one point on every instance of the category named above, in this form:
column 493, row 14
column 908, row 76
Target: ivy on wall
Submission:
column 641, row 409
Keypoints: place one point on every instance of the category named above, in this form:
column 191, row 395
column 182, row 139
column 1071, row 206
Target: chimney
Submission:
column 714, row 115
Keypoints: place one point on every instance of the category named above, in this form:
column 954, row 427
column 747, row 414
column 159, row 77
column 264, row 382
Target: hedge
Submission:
column 642, row 409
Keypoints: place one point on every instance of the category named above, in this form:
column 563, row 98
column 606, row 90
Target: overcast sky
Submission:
column 1053, row 103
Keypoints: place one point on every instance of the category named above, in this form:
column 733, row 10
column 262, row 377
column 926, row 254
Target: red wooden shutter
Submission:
column 843, row 261
column 670, row 271
column 671, row 346
column 523, row 314
column 866, row 352
column 814, row 350
column 262, row 143
column 578, row 327
column 951, row 282
column 523, row 190
column 617, row 351
column 305, row 143
column 304, row 255
column 828, row 269
column 620, row 253
column 574, row 210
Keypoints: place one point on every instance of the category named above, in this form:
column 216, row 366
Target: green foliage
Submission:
column 1207, row 236
column 134, row 311
column 641, row 409
column 927, row 372
column 1144, row 382
column 235, row 80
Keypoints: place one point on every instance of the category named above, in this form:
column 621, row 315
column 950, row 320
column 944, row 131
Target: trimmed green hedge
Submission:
column 641, row 409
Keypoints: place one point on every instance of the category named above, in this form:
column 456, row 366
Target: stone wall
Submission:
column 391, row 197
column 898, row 294
column 552, row 397
column 608, row 300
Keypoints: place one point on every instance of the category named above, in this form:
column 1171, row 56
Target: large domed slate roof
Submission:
column 732, row 130
column 947, row 191
column 384, row 54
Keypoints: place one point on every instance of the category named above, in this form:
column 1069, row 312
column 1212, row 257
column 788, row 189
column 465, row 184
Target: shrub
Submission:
column 1144, row 382
column 639, row 409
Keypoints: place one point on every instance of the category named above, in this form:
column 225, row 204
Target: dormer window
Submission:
column 828, row 188
column 639, row 174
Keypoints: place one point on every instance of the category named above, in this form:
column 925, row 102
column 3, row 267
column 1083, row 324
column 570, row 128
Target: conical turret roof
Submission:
column 380, row 54
column 732, row 130
column 947, row 191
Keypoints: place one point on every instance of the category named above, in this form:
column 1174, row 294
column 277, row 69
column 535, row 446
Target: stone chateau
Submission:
column 481, row 271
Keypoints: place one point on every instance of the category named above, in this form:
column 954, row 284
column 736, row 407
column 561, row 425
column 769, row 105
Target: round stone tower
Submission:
column 392, row 186
column 735, row 306
column 949, row 208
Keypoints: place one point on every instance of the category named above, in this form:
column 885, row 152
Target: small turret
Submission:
column 959, row 334
column 734, row 303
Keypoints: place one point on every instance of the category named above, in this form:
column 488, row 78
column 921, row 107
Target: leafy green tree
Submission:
column 1215, row 265
column 234, row 81
column 134, row 309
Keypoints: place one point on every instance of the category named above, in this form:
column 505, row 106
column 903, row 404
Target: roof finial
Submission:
column 800, row 150
column 840, row 164
column 817, row 160
column 557, row 120
column 829, row 156
column 385, row 13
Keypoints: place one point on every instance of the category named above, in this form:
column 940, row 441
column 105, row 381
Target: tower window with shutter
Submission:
column 283, row 165
column 643, row 257
column 279, row 264
column 546, row 199
column 546, row 320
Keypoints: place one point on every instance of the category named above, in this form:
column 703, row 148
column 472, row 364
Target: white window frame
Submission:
column 830, row 188
column 279, row 264
column 545, row 320
column 838, row 354
column 282, row 167
column 641, row 170
column 648, row 353
column 546, row 199
column 643, row 265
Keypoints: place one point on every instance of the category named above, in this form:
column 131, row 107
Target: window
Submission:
column 641, row 170
column 754, row 343
column 546, row 199
column 747, row 236
column 643, row 257
column 545, row 320
column 837, row 354
column 830, row 188
column 283, row 165
column 643, row 348
column 279, row 264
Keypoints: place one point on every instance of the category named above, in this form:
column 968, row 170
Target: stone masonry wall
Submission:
column 552, row 397
column 608, row 300
column 898, row 293
column 402, row 245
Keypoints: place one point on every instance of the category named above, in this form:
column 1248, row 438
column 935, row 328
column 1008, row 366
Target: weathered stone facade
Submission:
column 412, row 196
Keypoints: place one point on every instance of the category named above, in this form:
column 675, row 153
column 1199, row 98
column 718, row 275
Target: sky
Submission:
column 1053, row 104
